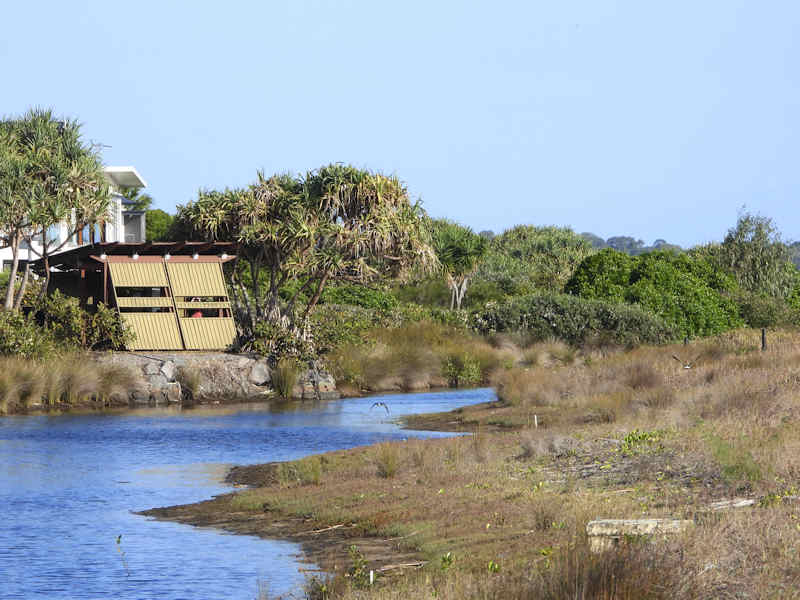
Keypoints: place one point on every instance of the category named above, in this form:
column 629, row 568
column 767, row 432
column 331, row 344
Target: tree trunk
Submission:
column 23, row 287
column 12, row 276
column 313, row 302
column 461, row 290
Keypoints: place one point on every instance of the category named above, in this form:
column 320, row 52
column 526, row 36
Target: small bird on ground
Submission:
column 687, row 365
column 383, row 404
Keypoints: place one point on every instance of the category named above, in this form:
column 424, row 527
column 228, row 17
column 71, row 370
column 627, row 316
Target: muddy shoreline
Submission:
column 324, row 545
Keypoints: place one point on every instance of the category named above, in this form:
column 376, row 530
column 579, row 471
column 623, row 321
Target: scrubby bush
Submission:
column 574, row 320
column 461, row 369
column 335, row 325
column 276, row 341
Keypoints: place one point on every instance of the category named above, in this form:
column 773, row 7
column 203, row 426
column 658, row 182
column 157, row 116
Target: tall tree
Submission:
column 754, row 252
column 48, row 176
column 458, row 249
column 335, row 223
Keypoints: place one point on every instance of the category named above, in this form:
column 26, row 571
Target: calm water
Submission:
column 68, row 485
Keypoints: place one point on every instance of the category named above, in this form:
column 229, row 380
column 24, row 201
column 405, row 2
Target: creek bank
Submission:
column 189, row 378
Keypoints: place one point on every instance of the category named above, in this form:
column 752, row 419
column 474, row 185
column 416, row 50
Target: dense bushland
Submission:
column 575, row 320
column 689, row 293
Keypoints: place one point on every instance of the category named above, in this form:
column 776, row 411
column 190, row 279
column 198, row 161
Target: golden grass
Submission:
column 63, row 381
column 502, row 513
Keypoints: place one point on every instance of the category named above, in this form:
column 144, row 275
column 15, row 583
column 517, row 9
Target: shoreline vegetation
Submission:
column 502, row 513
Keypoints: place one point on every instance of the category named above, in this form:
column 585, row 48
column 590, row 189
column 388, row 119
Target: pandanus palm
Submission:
column 48, row 175
column 336, row 223
column 459, row 250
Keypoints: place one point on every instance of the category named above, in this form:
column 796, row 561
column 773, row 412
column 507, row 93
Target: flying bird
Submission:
column 687, row 365
column 383, row 404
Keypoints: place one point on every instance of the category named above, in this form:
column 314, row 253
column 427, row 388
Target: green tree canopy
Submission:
column 157, row 225
column 528, row 258
column 459, row 249
column 337, row 223
column 754, row 252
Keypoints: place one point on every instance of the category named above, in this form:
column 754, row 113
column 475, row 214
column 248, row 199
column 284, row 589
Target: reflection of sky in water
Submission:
column 69, row 483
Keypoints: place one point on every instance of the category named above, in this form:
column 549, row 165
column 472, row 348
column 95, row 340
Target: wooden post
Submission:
column 105, row 282
column 83, row 289
column 686, row 341
column 763, row 339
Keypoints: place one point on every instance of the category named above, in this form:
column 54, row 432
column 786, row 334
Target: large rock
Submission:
column 210, row 377
column 168, row 370
column 259, row 374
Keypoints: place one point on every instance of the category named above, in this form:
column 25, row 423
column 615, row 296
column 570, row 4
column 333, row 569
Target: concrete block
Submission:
column 605, row 534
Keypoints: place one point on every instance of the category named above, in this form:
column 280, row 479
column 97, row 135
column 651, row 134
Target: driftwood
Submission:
column 323, row 530
column 411, row 565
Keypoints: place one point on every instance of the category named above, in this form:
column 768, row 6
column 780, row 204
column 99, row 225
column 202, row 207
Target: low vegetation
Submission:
column 577, row 435
column 62, row 382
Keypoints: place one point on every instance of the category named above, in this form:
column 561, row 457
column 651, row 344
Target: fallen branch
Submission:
column 412, row 565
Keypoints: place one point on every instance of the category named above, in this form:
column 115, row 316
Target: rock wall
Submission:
column 211, row 378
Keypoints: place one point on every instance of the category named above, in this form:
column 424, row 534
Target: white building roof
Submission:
column 124, row 177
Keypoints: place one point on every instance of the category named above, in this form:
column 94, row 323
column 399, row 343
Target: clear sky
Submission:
column 658, row 120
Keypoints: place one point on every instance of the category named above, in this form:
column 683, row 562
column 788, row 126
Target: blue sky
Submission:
column 658, row 121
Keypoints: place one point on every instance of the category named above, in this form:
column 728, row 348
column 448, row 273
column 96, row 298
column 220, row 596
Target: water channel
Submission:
column 69, row 484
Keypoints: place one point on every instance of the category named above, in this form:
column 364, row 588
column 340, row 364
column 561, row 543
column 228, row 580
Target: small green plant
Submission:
column 447, row 561
column 358, row 572
column 493, row 567
column 638, row 441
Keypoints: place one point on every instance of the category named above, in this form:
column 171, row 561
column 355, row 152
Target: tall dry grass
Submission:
column 63, row 381
column 621, row 434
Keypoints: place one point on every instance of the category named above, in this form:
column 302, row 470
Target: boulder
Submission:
column 151, row 368
column 259, row 374
column 168, row 370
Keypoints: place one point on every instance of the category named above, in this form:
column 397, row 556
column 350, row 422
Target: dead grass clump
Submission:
column 553, row 445
column 643, row 376
column 114, row 382
column 387, row 459
column 285, row 376
column 659, row 399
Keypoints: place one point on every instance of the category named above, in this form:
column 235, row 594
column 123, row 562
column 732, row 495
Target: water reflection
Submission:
column 70, row 482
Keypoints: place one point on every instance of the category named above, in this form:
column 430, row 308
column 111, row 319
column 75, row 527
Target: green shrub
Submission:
column 359, row 295
column 461, row 369
column 74, row 327
column 334, row 325
column 574, row 320
column 760, row 310
column 20, row 336
column 688, row 292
